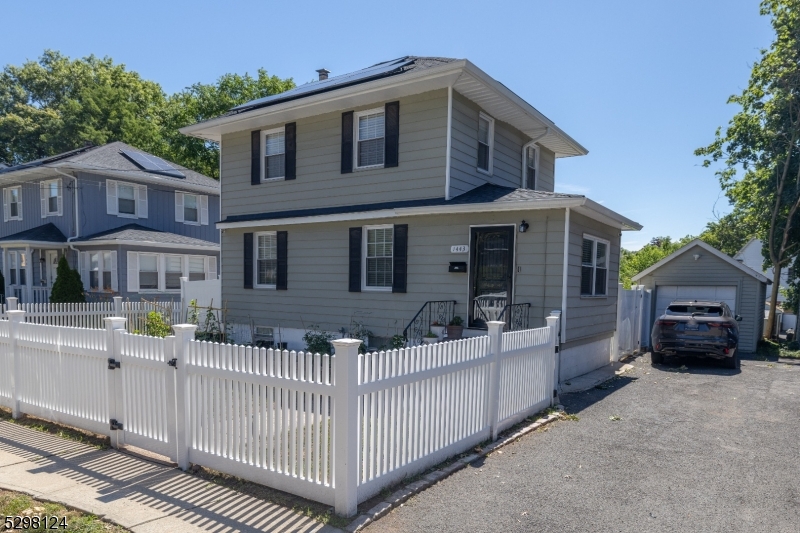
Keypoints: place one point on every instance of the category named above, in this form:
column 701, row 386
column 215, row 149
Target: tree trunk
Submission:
column 773, row 300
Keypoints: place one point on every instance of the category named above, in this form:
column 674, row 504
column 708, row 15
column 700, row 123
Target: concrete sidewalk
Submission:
column 135, row 493
column 596, row 377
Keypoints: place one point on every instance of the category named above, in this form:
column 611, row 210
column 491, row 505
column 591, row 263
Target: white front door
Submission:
column 52, row 265
column 666, row 294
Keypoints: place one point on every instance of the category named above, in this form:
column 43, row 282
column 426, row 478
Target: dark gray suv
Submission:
column 699, row 329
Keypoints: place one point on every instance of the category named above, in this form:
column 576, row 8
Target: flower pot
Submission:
column 454, row 332
column 430, row 340
column 439, row 330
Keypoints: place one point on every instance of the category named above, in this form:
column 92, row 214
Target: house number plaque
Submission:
column 459, row 249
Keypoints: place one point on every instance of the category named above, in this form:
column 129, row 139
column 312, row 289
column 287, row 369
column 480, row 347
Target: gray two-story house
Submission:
column 419, row 187
column 133, row 224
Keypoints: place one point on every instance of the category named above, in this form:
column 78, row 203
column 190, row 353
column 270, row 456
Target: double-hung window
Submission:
column 191, row 208
column 485, row 143
column 173, row 272
column 370, row 130
column 190, row 212
column 148, row 272
column 266, row 258
column 50, row 192
column 273, row 144
column 12, row 203
column 378, row 257
column 16, row 268
column 197, row 268
column 594, row 266
column 126, row 199
column 531, row 164
column 100, row 265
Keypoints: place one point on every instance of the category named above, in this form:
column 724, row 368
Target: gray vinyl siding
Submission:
column 709, row 271
column 597, row 315
column 318, row 273
column 160, row 210
column 32, row 210
column 320, row 183
column 507, row 160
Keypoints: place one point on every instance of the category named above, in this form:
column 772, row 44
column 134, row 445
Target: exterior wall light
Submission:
column 696, row 256
column 523, row 227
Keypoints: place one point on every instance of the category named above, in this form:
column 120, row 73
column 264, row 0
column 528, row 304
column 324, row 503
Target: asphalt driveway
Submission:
column 657, row 449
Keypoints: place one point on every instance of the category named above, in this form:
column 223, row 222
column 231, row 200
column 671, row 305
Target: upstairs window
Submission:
column 594, row 266
column 126, row 200
column 12, row 203
column 370, row 131
column 273, row 143
column 191, row 208
column 485, row 143
column 190, row 213
column 266, row 259
column 50, row 193
column 378, row 257
column 531, row 164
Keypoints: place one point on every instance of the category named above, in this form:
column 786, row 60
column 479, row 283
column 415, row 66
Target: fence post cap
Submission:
column 346, row 343
column 496, row 325
column 115, row 322
column 15, row 316
column 184, row 327
column 117, row 298
column 555, row 312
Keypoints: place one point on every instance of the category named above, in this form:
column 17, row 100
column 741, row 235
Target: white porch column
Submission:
column 4, row 288
column 28, row 275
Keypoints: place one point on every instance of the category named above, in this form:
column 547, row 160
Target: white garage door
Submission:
column 667, row 294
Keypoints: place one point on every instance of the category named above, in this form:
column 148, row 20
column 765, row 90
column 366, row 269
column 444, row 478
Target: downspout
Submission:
column 564, row 274
column 524, row 155
column 77, row 223
column 449, row 141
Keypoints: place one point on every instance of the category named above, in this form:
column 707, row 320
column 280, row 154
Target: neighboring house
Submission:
column 751, row 255
column 130, row 222
column 698, row 271
column 369, row 197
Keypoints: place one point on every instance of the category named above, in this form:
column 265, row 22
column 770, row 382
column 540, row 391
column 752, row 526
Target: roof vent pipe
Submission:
column 323, row 74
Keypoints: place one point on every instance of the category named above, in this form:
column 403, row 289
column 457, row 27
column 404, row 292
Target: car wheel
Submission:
column 656, row 358
column 733, row 362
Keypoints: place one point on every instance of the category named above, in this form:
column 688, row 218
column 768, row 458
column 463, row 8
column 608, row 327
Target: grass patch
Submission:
column 65, row 432
column 17, row 504
column 768, row 349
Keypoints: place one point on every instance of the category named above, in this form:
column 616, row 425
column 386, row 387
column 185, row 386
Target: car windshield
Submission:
column 703, row 310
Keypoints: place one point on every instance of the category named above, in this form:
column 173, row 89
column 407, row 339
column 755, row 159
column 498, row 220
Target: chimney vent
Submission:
column 323, row 74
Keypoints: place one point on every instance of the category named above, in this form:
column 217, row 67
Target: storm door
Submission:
column 491, row 273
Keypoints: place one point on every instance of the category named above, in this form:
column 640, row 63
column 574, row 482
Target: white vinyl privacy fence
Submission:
column 332, row 428
column 633, row 321
column 92, row 314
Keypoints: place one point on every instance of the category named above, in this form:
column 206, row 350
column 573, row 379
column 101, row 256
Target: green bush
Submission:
column 318, row 341
column 68, row 287
column 156, row 326
column 793, row 346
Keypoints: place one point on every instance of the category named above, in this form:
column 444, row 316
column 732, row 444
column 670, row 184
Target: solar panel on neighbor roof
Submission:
column 331, row 83
column 153, row 164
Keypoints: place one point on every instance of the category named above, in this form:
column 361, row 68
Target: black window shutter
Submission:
column 283, row 263
column 400, row 253
column 248, row 260
column 347, row 142
column 255, row 157
column 355, row 259
column 392, row 134
column 291, row 151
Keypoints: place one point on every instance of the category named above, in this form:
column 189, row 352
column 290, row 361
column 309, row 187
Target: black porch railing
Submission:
column 516, row 316
column 441, row 311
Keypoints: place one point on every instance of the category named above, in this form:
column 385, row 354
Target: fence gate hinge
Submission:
column 173, row 362
column 556, row 349
column 112, row 364
column 116, row 425
column 555, row 395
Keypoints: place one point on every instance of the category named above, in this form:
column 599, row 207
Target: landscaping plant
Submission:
column 318, row 341
column 68, row 287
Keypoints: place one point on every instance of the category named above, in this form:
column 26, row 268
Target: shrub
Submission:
column 793, row 346
column 156, row 326
column 397, row 342
column 318, row 341
column 68, row 287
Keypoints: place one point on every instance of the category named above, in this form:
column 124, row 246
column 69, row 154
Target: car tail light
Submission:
column 658, row 347
column 665, row 322
column 725, row 350
column 714, row 324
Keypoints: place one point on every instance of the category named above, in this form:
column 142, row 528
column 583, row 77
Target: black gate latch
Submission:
column 112, row 364
column 116, row 425
column 173, row 362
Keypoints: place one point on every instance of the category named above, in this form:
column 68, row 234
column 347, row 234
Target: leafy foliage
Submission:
column 68, row 287
column 631, row 263
column 731, row 232
column 156, row 325
column 57, row 104
column 318, row 341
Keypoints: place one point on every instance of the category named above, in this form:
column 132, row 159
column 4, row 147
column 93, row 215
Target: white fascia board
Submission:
column 407, row 212
column 613, row 218
column 212, row 129
column 138, row 177
column 37, row 244
column 148, row 244
column 710, row 249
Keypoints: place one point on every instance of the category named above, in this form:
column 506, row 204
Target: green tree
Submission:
column 68, row 287
column 760, row 147
column 730, row 232
column 633, row 262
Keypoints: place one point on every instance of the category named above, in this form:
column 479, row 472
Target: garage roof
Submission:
column 710, row 249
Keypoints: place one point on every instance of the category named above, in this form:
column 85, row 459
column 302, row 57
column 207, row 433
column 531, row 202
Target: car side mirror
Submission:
column 738, row 318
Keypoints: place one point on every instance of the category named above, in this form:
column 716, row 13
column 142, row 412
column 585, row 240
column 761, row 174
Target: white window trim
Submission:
column 159, row 269
column 199, row 216
column 264, row 134
column 364, row 239
column 525, row 164
column 256, row 284
column 135, row 199
column 491, row 145
column 7, row 203
column 356, row 117
column 594, row 263
column 17, row 262
column 45, row 185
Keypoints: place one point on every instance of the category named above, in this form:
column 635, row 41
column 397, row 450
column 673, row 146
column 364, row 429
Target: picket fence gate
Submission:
column 332, row 428
column 92, row 314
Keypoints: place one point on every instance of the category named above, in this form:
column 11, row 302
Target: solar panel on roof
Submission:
column 331, row 83
column 153, row 164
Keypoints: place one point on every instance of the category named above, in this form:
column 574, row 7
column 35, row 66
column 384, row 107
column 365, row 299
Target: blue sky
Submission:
column 640, row 84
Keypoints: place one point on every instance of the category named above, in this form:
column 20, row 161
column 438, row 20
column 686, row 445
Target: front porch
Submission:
column 30, row 259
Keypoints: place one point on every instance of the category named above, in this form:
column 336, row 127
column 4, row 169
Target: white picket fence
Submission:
column 91, row 315
column 336, row 429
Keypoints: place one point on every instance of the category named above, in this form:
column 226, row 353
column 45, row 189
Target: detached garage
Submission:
column 698, row 271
